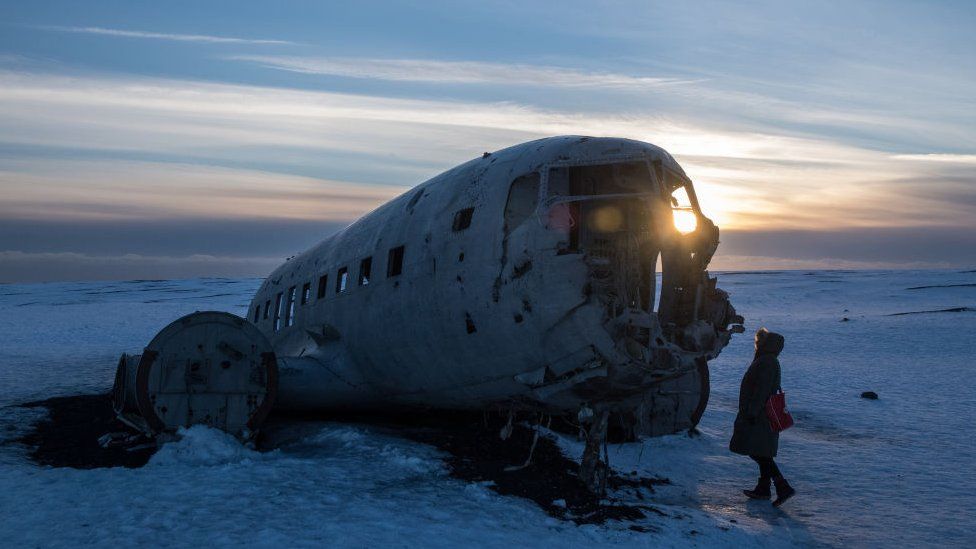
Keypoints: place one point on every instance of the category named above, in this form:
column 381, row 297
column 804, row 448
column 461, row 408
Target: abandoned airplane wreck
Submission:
column 521, row 281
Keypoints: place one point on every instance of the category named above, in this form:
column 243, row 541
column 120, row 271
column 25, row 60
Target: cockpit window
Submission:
column 621, row 178
column 682, row 206
column 680, row 198
column 523, row 197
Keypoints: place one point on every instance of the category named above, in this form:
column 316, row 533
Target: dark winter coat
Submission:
column 752, row 435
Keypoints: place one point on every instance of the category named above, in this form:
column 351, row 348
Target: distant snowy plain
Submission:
column 898, row 471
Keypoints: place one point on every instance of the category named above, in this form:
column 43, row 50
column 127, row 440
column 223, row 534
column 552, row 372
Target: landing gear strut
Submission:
column 593, row 470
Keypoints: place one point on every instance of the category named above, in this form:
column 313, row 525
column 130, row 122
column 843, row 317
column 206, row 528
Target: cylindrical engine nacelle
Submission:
column 124, row 393
column 210, row 368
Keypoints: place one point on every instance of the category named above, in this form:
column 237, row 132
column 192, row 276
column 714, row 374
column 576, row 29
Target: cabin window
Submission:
column 323, row 282
column 523, row 197
column 342, row 280
column 365, row 270
column 658, row 170
column 257, row 313
column 394, row 262
column 267, row 305
column 290, row 308
column 462, row 219
column 277, row 312
column 306, row 292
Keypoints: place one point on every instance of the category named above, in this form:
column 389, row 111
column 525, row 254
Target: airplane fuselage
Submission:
column 524, row 277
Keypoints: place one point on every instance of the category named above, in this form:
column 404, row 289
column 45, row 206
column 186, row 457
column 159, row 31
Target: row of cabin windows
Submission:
column 394, row 267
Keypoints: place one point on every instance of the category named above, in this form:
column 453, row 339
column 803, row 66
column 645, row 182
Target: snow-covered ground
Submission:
column 898, row 471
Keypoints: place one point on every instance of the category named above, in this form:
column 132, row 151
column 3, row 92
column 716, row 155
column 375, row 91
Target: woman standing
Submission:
column 752, row 435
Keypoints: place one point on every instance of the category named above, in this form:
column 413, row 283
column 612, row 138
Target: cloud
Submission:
column 765, row 263
column 746, row 179
column 873, row 247
column 457, row 72
column 176, row 237
column 17, row 266
column 107, row 190
column 938, row 157
column 204, row 38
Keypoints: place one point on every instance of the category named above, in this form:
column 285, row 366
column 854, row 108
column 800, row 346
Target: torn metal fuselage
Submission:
column 616, row 219
column 524, row 279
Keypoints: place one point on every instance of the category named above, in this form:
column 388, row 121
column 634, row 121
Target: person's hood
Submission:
column 772, row 344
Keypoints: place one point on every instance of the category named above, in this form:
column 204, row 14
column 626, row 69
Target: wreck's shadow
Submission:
column 69, row 437
column 525, row 464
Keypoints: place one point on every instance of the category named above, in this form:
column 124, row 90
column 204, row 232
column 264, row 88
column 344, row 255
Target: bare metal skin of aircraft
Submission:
column 522, row 280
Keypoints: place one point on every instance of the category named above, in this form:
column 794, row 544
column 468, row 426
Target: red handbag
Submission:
column 779, row 417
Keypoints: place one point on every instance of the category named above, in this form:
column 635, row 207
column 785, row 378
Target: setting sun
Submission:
column 685, row 221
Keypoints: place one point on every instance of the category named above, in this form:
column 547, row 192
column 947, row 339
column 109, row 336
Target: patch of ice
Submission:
column 199, row 446
column 417, row 464
column 345, row 436
column 394, row 453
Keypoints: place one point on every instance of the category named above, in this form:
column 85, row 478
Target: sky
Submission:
column 179, row 139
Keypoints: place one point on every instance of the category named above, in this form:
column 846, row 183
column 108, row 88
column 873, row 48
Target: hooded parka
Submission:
column 752, row 435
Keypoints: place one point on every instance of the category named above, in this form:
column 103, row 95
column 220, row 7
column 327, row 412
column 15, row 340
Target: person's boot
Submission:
column 783, row 491
column 761, row 491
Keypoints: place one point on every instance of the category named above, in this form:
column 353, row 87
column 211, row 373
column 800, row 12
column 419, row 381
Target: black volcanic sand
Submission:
column 68, row 437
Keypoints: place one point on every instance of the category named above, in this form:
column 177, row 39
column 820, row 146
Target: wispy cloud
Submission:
column 18, row 266
column 723, row 262
column 938, row 157
column 747, row 179
column 206, row 38
column 456, row 72
column 117, row 190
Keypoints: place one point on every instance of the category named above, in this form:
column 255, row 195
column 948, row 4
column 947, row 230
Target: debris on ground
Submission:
column 73, row 433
